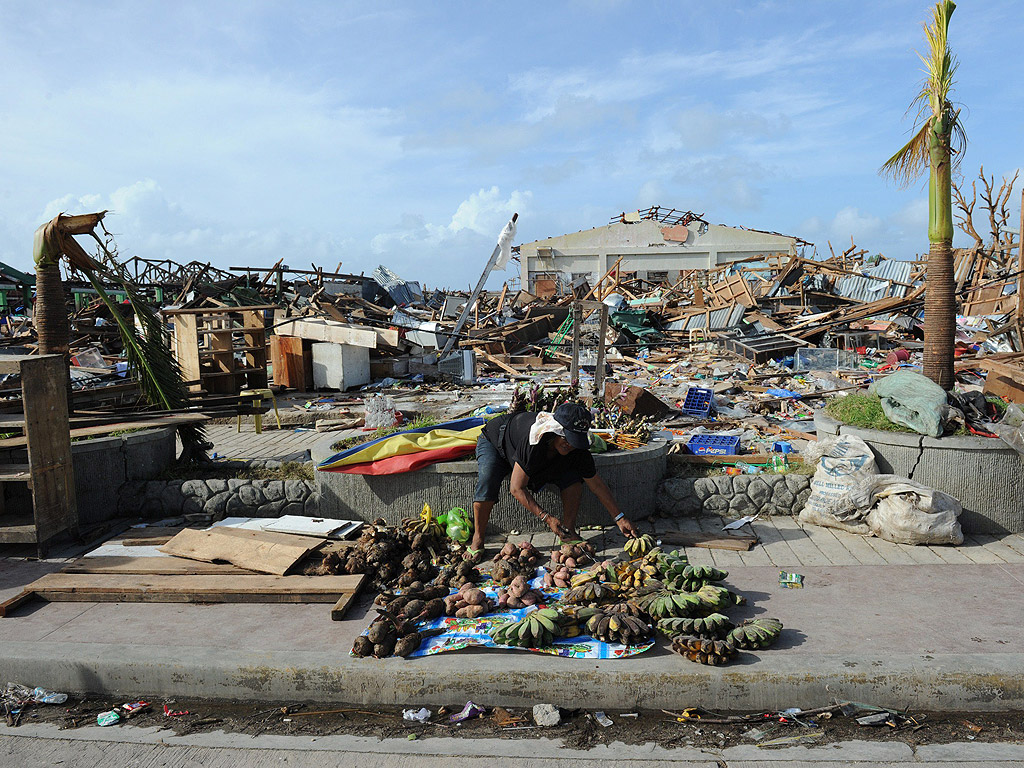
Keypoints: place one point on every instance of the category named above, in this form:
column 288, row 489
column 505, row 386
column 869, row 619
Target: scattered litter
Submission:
column 417, row 715
column 108, row 718
column 603, row 719
column 468, row 712
column 791, row 580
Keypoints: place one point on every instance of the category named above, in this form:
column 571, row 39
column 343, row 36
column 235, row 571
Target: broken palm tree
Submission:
column 148, row 353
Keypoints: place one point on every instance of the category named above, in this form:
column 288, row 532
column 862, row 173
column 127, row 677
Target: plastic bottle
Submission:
column 748, row 469
column 43, row 696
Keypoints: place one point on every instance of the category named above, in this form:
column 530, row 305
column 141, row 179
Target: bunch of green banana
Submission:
column 715, row 598
column 589, row 593
column 618, row 628
column 715, row 626
column 639, row 546
column 537, row 630
column 704, row 650
column 666, row 604
column 672, row 565
column 693, row 577
column 755, row 633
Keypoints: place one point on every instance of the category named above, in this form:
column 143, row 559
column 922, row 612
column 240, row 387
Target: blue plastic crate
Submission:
column 714, row 445
column 698, row 402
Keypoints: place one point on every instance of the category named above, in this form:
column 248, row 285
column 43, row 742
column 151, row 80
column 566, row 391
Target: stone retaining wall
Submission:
column 735, row 495
column 211, row 500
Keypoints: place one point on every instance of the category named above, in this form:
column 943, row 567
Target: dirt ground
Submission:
column 579, row 729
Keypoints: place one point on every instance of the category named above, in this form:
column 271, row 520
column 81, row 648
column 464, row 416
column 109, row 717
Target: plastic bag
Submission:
column 846, row 462
column 913, row 401
column 1011, row 428
column 908, row 512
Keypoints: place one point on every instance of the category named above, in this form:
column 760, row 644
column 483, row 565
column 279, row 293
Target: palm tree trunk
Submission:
column 51, row 315
column 939, row 315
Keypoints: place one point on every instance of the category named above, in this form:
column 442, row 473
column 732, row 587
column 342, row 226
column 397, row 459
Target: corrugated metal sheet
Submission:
column 720, row 319
column 866, row 289
column 401, row 292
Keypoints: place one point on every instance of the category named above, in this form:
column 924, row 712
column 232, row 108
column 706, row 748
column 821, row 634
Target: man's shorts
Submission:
column 492, row 470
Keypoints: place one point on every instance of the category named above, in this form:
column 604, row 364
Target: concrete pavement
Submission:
column 41, row 745
column 943, row 635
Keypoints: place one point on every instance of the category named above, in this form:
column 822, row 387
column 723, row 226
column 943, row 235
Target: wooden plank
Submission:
column 340, row 608
column 173, row 420
column 261, row 551
column 15, row 473
column 44, row 390
column 130, row 588
column 707, row 540
column 152, row 566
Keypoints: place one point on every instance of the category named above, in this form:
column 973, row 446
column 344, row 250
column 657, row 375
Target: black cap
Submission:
column 575, row 420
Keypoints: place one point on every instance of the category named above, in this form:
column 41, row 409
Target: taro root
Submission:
column 432, row 609
column 407, row 644
column 380, row 631
column 362, row 647
column 413, row 607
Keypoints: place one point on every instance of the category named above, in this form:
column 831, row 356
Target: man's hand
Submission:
column 556, row 526
column 627, row 529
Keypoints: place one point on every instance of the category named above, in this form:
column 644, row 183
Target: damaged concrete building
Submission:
column 656, row 244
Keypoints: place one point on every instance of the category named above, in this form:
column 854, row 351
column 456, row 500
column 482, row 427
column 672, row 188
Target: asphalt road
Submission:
column 33, row 745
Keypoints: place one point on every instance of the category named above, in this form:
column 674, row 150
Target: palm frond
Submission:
column 148, row 353
column 911, row 160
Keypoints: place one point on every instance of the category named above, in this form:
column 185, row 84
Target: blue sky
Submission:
column 406, row 133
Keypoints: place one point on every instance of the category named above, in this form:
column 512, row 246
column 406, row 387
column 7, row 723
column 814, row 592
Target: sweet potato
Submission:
column 474, row 596
column 471, row 612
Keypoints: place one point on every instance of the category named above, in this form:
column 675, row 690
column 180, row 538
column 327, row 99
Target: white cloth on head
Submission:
column 545, row 425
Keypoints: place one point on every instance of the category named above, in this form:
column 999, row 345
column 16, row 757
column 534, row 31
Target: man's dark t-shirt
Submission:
column 514, row 446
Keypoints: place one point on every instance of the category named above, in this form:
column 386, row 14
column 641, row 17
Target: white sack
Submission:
column 846, row 462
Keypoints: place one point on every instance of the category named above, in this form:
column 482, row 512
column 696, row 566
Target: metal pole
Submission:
column 464, row 315
column 577, row 321
column 599, row 370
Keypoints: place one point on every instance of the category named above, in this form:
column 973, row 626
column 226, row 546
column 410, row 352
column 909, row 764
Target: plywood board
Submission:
column 152, row 565
column 122, row 588
column 321, row 527
column 261, row 551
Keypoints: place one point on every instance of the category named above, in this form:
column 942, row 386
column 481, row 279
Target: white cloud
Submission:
column 147, row 224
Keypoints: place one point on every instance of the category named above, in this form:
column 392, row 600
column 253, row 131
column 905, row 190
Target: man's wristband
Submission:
column 618, row 517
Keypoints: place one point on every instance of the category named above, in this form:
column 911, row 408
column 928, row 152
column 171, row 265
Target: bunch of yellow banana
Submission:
column 633, row 576
column 639, row 546
column 755, row 633
column 618, row 628
column 589, row 593
column 626, row 606
column 704, row 650
column 715, row 626
column 584, row 577
column 537, row 630
column 571, row 618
